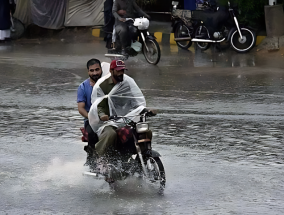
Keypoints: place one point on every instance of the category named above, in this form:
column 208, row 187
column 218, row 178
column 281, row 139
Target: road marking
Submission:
column 259, row 39
column 172, row 39
column 159, row 36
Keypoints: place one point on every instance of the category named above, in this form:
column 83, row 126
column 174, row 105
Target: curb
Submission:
column 165, row 38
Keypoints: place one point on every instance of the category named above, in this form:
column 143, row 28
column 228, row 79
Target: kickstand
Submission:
column 213, row 57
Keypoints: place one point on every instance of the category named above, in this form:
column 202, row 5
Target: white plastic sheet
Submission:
column 84, row 13
column 44, row 13
column 48, row 14
column 105, row 68
column 23, row 11
column 58, row 13
column 125, row 99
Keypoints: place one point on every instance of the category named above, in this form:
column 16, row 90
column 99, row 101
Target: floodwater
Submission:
column 219, row 131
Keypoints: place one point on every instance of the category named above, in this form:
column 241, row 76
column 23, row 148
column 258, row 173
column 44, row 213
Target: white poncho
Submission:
column 125, row 99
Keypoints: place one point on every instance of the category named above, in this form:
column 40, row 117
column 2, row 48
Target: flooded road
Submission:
column 219, row 130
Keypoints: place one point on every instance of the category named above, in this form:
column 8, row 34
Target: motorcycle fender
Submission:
column 155, row 154
column 151, row 37
column 175, row 26
column 230, row 33
column 248, row 27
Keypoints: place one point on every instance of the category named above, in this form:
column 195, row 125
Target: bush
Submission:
column 251, row 11
column 145, row 3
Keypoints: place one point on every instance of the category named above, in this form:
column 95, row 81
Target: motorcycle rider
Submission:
column 121, row 10
column 108, row 136
column 84, row 92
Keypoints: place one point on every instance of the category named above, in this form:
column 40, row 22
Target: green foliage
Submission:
column 145, row 2
column 251, row 11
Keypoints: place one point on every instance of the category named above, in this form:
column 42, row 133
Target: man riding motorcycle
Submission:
column 114, row 94
column 95, row 71
column 125, row 30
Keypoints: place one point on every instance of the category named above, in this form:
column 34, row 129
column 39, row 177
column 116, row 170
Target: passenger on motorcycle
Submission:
column 115, row 94
column 125, row 30
column 84, row 93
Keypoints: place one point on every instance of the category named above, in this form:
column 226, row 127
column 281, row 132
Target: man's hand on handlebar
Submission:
column 114, row 117
column 149, row 112
column 104, row 118
column 122, row 19
column 152, row 113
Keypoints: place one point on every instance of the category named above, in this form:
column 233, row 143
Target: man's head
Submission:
column 94, row 69
column 117, row 68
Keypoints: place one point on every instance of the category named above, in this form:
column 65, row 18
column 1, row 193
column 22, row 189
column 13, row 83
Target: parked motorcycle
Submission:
column 146, row 43
column 212, row 26
column 133, row 155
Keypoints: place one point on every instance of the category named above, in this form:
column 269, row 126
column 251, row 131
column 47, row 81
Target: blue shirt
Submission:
column 84, row 94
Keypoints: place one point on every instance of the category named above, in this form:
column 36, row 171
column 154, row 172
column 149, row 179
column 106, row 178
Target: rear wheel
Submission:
column 153, row 53
column 244, row 44
column 181, row 31
column 156, row 172
column 202, row 33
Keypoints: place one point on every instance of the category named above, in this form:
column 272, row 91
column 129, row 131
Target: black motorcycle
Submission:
column 133, row 155
column 212, row 26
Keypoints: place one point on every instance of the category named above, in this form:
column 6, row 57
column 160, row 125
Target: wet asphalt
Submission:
column 219, row 131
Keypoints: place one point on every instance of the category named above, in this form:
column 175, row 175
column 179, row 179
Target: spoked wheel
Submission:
column 180, row 32
column 202, row 33
column 18, row 30
column 153, row 53
column 245, row 43
column 156, row 173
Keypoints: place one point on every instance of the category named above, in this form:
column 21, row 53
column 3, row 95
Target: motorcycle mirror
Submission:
column 175, row 3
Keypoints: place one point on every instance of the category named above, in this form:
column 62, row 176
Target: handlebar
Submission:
column 145, row 113
column 127, row 19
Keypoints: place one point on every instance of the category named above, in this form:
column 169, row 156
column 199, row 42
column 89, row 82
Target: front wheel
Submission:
column 153, row 53
column 156, row 172
column 244, row 44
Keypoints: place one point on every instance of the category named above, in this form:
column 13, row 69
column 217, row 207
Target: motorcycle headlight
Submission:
column 142, row 127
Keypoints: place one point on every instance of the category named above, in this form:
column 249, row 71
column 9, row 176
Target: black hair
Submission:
column 93, row 62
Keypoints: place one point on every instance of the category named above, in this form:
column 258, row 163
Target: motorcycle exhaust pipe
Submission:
column 208, row 41
column 114, row 55
column 183, row 39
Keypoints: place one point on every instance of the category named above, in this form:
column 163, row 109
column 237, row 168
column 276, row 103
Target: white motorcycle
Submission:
column 145, row 43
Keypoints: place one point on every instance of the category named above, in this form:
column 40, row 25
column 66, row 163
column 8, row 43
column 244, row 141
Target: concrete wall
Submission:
column 274, row 20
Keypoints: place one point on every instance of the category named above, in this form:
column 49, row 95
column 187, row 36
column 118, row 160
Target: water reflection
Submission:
column 212, row 57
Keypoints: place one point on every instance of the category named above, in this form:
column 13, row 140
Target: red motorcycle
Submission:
column 133, row 156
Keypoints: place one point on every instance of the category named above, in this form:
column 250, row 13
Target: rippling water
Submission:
column 234, row 133
column 220, row 132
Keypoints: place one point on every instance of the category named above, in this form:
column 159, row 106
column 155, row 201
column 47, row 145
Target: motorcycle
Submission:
column 133, row 155
column 212, row 26
column 146, row 43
